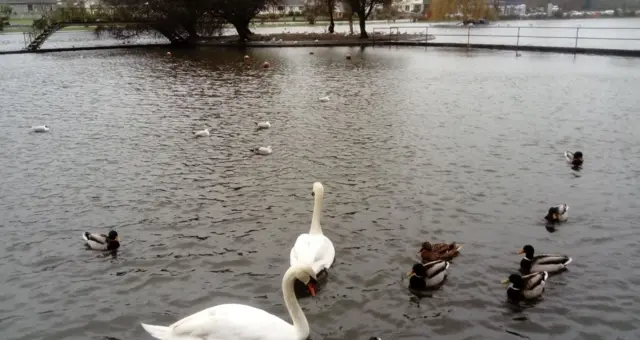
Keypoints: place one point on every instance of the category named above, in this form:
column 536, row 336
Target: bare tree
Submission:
column 331, row 8
column 240, row 12
column 363, row 9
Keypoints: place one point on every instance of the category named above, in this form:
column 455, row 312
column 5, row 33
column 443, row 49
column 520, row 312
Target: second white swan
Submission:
column 314, row 249
column 242, row 322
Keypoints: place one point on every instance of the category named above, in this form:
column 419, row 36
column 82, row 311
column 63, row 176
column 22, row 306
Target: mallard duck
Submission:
column 558, row 213
column 526, row 287
column 101, row 241
column 439, row 251
column 575, row 158
column 542, row 263
column 428, row 275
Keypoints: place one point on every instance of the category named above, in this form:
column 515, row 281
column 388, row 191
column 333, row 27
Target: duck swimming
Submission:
column 428, row 275
column 575, row 158
column 101, row 241
column 558, row 213
column 439, row 251
column 526, row 287
column 542, row 263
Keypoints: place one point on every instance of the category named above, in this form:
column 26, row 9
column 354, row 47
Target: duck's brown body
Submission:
column 439, row 251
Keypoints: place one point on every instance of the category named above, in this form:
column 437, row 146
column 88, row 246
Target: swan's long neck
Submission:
column 317, row 212
column 300, row 324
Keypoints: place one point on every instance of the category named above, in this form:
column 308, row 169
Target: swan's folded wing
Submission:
column 232, row 321
column 299, row 252
column 325, row 254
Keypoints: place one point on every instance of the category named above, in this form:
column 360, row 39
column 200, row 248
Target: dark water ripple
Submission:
column 412, row 146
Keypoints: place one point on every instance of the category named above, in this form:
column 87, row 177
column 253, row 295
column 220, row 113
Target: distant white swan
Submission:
column 324, row 99
column 40, row 128
column 242, row 322
column 263, row 125
column 262, row 150
column 202, row 133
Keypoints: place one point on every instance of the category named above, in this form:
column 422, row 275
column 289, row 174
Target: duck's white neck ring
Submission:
column 512, row 287
column 526, row 258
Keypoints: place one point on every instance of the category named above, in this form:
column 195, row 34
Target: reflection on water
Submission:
column 462, row 146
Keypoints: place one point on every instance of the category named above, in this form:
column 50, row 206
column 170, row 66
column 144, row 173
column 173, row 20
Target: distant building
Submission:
column 29, row 7
column 285, row 7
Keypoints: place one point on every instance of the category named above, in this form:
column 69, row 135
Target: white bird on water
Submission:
column 242, row 322
column 263, row 125
column 40, row 128
column 324, row 99
column 263, row 150
column 202, row 133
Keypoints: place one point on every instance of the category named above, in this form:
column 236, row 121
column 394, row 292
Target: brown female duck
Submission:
column 439, row 251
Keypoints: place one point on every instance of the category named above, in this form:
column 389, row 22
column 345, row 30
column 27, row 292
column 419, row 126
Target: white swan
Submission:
column 314, row 248
column 242, row 322
column 202, row 133
column 324, row 99
column 262, row 150
column 263, row 125
column 40, row 128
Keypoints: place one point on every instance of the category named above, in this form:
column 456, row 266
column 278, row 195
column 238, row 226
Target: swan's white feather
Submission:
column 315, row 250
column 226, row 322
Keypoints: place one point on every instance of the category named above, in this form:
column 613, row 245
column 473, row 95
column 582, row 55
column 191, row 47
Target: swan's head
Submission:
column 418, row 270
column 307, row 276
column 552, row 215
column 318, row 189
column 113, row 236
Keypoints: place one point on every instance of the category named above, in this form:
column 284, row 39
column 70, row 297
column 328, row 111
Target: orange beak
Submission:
column 312, row 289
column 521, row 251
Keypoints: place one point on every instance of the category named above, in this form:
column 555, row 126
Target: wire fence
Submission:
column 623, row 38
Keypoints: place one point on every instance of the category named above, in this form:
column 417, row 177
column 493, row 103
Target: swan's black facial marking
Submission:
column 313, row 193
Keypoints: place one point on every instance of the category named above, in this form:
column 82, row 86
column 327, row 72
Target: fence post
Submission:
column 518, row 40
column 577, row 33
column 426, row 38
column 468, row 35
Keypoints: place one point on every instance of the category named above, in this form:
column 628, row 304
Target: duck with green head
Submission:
column 526, row 287
column 550, row 263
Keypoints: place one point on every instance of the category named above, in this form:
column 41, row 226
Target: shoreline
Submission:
column 353, row 43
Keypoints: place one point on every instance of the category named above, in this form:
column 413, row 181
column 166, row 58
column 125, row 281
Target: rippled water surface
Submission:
column 414, row 145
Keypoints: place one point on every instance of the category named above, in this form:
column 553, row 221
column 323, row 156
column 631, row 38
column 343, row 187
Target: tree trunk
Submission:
column 363, row 29
column 242, row 27
column 332, row 25
column 350, row 13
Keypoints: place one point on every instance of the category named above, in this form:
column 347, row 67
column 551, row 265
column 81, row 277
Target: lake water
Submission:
column 415, row 145
column 592, row 33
